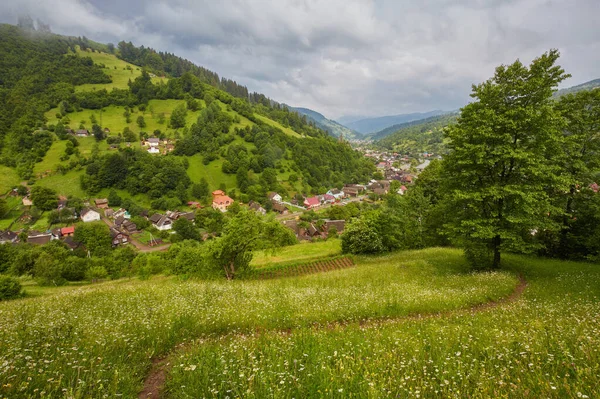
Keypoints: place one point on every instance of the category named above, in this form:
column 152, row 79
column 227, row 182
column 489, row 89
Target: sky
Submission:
column 343, row 57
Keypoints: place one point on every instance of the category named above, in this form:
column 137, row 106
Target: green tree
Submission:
column 141, row 122
column 244, row 233
column 186, row 229
column 98, row 132
column 9, row 288
column 361, row 236
column 44, row 198
column 3, row 207
column 114, row 199
column 500, row 162
column 178, row 117
column 95, row 237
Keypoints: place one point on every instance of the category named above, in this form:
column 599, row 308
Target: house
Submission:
column 101, row 203
column 129, row 227
column 337, row 194
column 153, row 150
column 8, row 237
column 89, row 215
column 70, row 242
column 327, row 199
column 38, row 238
column 190, row 216
column 193, row 204
column 221, row 201
column 56, row 235
column 155, row 218
column 312, row 202
column 273, row 196
column 161, row 222
column 153, row 142
column 280, row 208
column 27, row 201
column 401, row 190
column 256, row 207
column 67, row 231
column 338, row 224
column 119, row 221
column 380, row 191
column 109, row 212
column 118, row 237
column 422, row 166
column 351, row 191
column 121, row 213
column 82, row 133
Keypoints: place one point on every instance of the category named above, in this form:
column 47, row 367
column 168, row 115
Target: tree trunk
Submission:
column 496, row 244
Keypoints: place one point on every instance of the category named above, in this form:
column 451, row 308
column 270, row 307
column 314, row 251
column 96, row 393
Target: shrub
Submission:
column 9, row 288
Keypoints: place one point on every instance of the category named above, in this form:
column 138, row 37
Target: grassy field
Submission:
column 301, row 252
column 112, row 117
column 119, row 70
column 543, row 345
column 99, row 340
column 67, row 184
column 8, row 179
column 271, row 122
column 211, row 172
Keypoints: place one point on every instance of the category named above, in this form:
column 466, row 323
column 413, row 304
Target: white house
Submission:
column 337, row 194
column 153, row 141
column 153, row 150
column 89, row 215
column 273, row 196
column 161, row 222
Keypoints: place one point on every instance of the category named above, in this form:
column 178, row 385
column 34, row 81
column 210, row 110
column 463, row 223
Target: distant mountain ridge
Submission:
column 334, row 128
column 592, row 84
column 446, row 116
column 371, row 125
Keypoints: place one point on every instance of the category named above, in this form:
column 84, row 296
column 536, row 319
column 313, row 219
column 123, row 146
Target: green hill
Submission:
column 592, row 84
column 210, row 128
column 329, row 125
column 417, row 137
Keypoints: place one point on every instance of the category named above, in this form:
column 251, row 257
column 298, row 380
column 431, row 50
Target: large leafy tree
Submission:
column 244, row 233
column 501, row 168
column 581, row 164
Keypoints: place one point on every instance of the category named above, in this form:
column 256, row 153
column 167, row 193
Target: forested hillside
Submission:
column 592, row 84
column 331, row 126
column 215, row 133
column 426, row 135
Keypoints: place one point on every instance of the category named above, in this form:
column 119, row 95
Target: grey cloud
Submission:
column 344, row 57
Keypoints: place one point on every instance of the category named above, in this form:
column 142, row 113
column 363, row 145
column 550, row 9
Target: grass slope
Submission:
column 120, row 71
column 8, row 179
column 300, row 252
column 98, row 341
column 273, row 123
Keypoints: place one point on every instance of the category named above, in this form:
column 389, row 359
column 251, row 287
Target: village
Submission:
column 154, row 234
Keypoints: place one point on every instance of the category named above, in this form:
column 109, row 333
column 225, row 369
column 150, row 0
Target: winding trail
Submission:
column 155, row 381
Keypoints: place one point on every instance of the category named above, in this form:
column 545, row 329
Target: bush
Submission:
column 96, row 273
column 9, row 288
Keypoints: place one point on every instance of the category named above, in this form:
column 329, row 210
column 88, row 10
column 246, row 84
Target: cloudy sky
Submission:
column 343, row 57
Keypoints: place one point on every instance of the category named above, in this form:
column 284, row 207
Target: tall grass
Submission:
column 543, row 346
column 99, row 340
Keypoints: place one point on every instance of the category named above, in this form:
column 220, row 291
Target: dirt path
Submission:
column 155, row 381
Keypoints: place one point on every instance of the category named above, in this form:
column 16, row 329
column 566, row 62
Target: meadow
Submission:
column 99, row 340
column 120, row 71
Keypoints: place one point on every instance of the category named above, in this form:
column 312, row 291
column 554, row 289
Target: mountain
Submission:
column 334, row 128
column 392, row 129
column 372, row 125
column 417, row 137
column 592, row 84
column 346, row 119
column 75, row 115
